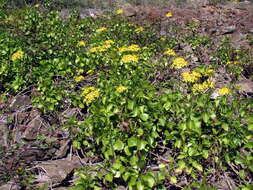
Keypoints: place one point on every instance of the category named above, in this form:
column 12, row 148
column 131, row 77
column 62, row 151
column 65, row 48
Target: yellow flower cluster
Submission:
column 81, row 43
column 119, row 11
column 169, row 14
column 140, row 29
column 224, row 91
column 233, row 62
column 90, row 94
column 37, row 5
column 191, row 77
column 17, row 55
column 100, row 48
column 109, row 42
column 169, row 51
column 162, row 39
column 89, row 72
column 207, row 72
column 132, row 48
column 101, row 29
column 78, row 78
column 179, row 62
column 203, row 87
column 121, row 88
column 130, row 58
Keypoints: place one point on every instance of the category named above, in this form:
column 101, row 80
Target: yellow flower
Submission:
column 80, row 71
column 101, row 29
column 81, row 43
column 130, row 58
column 162, row 39
column 17, row 55
column 140, row 29
column 78, row 78
column 90, row 94
column 87, row 90
column 179, row 62
column 224, row 91
column 233, row 62
column 89, row 72
column 100, row 48
column 121, row 88
column 132, row 48
column 109, row 42
column 208, row 72
column 203, row 87
column 169, row 14
column 191, row 77
column 119, row 12
column 169, row 51
column 37, row 5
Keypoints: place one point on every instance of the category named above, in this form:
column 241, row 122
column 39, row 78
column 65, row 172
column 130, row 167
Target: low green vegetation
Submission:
column 148, row 115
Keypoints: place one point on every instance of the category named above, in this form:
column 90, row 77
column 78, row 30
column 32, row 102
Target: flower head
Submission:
column 121, row 88
column 109, row 42
column 119, row 11
column 17, row 55
column 78, row 78
column 81, row 43
column 90, row 94
column 100, row 48
column 37, row 5
column 169, row 51
column 179, row 62
column 132, row 48
column 169, row 14
column 101, row 29
column 203, row 86
column 130, row 58
column 224, row 91
column 140, row 29
column 191, row 77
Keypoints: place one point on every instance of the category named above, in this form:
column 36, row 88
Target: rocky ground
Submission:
column 32, row 143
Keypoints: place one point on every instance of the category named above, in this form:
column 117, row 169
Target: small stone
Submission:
column 20, row 102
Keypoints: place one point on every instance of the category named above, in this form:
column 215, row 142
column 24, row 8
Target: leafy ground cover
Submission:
column 153, row 112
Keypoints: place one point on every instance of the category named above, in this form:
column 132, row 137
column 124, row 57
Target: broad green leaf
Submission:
column 149, row 180
column 119, row 145
column 173, row 179
column 109, row 177
column 144, row 117
column 139, row 185
column 141, row 144
column 196, row 165
column 132, row 141
column 167, row 106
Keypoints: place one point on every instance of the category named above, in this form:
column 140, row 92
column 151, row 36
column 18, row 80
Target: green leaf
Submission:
column 139, row 186
column 173, row 180
column 167, row 106
column 250, row 126
column 109, row 177
column 149, row 180
column 225, row 126
column 119, row 145
column 144, row 117
column 141, row 144
column 196, row 165
column 132, row 141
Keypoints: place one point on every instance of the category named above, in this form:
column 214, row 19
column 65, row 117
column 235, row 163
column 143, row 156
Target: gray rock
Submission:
column 20, row 102
column 4, row 132
column 129, row 10
column 32, row 129
column 90, row 13
column 196, row 3
column 227, row 29
column 65, row 13
column 10, row 186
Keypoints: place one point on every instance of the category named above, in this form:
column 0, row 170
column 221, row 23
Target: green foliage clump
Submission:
column 145, row 132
